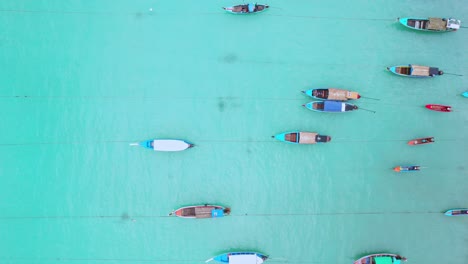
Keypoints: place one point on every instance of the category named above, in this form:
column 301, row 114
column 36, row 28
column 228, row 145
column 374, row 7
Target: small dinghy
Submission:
column 330, row 106
column 202, row 211
column 407, row 168
column 421, row 141
column 465, row 94
column 297, row 137
column 383, row 258
column 415, row 71
column 240, row 258
column 456, row 212
column 164, row 144
column 251, row 8
column 431, row 24
column 439, row 108
column 332, row 94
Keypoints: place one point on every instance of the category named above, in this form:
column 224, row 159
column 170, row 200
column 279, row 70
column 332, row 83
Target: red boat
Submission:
column 440, row 108
column 421, row 141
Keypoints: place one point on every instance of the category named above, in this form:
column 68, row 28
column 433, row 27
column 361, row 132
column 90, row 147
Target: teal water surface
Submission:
column 83, row 79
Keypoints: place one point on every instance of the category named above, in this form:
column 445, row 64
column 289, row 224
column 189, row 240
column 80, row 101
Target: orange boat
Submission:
column 421, row 141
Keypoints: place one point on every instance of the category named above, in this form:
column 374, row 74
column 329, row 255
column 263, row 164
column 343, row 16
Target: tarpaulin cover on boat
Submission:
column 217, row 213
column 245, row 259
column 436, row 24
column 383, row 260
column 332, row 106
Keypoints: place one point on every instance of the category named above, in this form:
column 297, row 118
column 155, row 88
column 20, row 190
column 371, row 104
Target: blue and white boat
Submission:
column 164, row 144
column 330, row 106
column 457, row 212
column 297, row 137
column 417, row 71
column 251, row 8
column 240, row 258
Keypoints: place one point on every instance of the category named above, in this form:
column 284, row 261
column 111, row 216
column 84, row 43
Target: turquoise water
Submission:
column 83, row 79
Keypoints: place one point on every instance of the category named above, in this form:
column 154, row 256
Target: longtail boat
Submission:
column 250, row 8
column 465, row 94
column 332, row 94
column 456, row 212
column 240, row 258
column 382, row 258
column 421, row 141
column 407, row 168
column 417, row 71
column 439, row 108
column 202, row 211
column 297, row 137
column 431, row 24
column 164, row 144
column 330, row 106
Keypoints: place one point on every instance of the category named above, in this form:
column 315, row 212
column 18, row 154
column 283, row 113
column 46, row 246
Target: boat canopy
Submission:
column 332, row 106
column 251, row 7
column 436, row 24
column 245, row 259
column 417, row 70
column 216, row 213
column 383, row 260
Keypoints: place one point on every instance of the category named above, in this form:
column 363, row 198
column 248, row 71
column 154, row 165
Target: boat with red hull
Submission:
column 421, row 141
column 439, row 108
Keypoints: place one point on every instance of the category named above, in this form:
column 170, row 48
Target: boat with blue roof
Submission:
column 416, row 71
column 201, row 211
column 240, row 258
column 251, row 8
column 381, row 258
column 298, row 137
column 457, row 212
column 333, row 94
column 330, row 106
column 164, row 144
column 431, row 24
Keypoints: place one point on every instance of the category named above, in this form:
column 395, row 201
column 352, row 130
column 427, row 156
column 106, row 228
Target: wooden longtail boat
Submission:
column 456, row 212
column 439, row 108
column 330, row 106
column 421, row 141
column 251, row 8
column 431, row 24
column 382, row 258
column 407, row 168
column 332, row 94
column 416, row 71
column 297, row 137
column 202, row 211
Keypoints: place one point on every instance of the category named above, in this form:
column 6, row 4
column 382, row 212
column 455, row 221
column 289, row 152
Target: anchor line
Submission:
column 133, row 218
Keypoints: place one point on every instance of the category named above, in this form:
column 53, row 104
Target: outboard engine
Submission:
column 322, row 138
column 453, row 24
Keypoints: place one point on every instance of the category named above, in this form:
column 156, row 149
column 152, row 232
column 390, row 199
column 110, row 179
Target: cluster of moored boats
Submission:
column 331, row 100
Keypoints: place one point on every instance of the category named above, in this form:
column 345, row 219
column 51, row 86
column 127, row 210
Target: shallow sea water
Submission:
column 83, row 79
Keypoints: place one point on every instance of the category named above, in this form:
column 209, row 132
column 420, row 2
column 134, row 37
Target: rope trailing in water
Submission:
column 340, row 140
column 133, row 218
column 4, row 259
